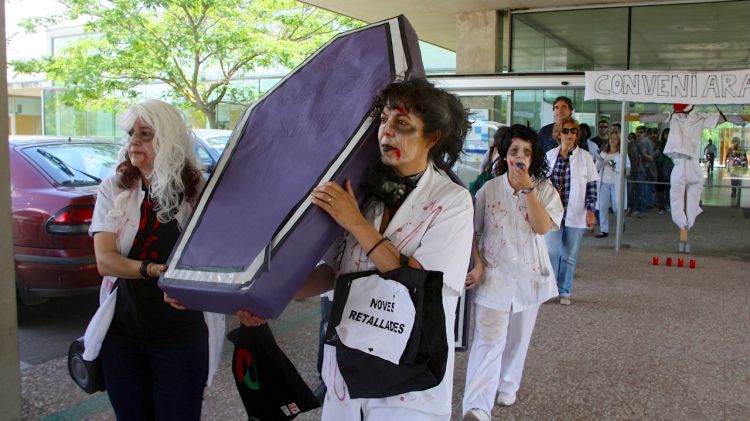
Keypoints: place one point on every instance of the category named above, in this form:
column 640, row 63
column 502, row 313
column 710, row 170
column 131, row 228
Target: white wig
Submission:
column 173, row 148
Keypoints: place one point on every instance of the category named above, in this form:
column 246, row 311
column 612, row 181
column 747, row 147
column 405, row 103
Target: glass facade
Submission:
column 571, row 40
column 487, row 113
column 693, row 36
column 64, row 120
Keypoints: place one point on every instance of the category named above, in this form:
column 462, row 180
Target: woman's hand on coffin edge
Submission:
column 173, row 302
column 340, row 203
column 249, row 319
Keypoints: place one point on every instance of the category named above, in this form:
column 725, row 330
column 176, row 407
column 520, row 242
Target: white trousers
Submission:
column 339, row 406
column 498, row 352
column 685, row 192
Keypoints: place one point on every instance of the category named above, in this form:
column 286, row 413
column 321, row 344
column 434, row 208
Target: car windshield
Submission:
column 218, row 143
column 75, row 164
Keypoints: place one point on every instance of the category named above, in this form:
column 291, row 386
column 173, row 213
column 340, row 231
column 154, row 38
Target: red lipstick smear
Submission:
column 398, row 153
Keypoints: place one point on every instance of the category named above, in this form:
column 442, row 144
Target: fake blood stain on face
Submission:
column 398, row 153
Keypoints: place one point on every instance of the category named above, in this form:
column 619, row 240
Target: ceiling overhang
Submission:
column 435, row 20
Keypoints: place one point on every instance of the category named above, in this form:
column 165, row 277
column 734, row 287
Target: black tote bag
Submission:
column 270, row 386
column 423, row 362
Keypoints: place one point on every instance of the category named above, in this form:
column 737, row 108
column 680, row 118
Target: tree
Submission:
column 196, row 47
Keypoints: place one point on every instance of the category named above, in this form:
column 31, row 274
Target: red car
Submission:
column 53, row 189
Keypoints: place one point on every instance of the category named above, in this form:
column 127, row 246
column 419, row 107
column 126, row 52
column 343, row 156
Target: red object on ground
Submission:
column 655, row 260
column 669, row 261
column 692, row 263
column 680, row 262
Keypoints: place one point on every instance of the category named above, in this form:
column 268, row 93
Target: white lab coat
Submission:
column 602, row 166
column 582, row 172
column 683, row 146
column 518, row 277
column 433, row 225
column 518, row 273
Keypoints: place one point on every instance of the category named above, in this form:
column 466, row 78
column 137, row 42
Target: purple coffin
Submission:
column 255, row 236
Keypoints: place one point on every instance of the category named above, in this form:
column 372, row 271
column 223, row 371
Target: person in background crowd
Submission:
column 648, row 167
column 610, row 169
column 490, row 158
column 513, row 212
column 614, row 128
column 574, row 176
column 664, row 172
column 157, row 356
column 562, row 107
column 736, row 161
column 602, row 135
column 634, row 188
column 586, row 143
column 421, row 135
column 710, row 153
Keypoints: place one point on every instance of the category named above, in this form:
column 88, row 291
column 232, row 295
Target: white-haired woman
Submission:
column 155, row 355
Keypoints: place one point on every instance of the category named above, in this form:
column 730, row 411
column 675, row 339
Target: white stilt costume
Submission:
column 683, row 146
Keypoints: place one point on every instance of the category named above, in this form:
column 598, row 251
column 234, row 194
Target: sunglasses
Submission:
column 566, row 131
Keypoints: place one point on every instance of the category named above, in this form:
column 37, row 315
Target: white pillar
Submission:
column 478, row 42
column 623, row 185
column 10, row 375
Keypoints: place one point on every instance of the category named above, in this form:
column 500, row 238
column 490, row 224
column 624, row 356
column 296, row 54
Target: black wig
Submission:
column 503, row 140
column 442, row 113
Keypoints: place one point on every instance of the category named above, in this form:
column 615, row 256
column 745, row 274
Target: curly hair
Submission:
column 442, row 114
column 176, row 172
column 504, row 138
column 557, row 128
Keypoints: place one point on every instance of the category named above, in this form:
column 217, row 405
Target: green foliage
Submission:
column 196, row 47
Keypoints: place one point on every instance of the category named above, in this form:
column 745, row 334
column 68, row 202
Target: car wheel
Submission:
column 26, row 297
column 23, row 312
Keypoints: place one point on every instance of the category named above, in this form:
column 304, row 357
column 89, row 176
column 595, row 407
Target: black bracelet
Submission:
column 375, row 246
column 143, row 271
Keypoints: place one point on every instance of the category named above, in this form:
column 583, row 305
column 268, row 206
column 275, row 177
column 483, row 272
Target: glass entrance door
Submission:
column 488, row 112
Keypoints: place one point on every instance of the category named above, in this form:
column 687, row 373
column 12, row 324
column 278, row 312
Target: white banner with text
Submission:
column 670, row 87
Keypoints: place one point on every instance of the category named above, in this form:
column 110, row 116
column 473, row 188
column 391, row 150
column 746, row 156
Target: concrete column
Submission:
column 479, row 47
column 10, row 376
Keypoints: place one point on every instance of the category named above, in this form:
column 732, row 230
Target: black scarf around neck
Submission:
column 381, row 182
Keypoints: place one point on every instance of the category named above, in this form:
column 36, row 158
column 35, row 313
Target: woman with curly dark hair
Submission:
column 512, row 267
column 155, row 354
column 414, row 215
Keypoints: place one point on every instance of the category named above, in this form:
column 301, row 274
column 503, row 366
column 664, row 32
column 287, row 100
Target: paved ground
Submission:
column 640, row 342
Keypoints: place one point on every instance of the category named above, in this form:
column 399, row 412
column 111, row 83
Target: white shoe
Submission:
column 565, row 301
column 505, row 399
column 476, row 414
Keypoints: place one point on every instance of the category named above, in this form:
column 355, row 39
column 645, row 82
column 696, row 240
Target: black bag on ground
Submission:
column 423, row 363
column 270, row 386
column 87, row 374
